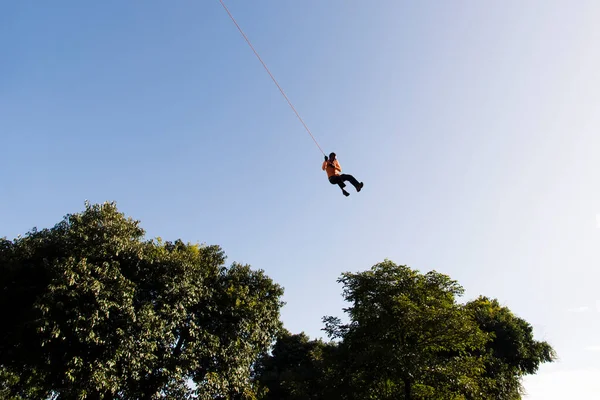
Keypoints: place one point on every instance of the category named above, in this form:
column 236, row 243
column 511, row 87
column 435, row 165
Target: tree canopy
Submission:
column 407, row 337
column 94, row 310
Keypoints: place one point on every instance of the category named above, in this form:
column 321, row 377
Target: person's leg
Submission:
column 336, row 180
column 346, row 177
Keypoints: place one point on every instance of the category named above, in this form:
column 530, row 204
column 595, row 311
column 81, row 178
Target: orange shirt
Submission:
column 331, row 171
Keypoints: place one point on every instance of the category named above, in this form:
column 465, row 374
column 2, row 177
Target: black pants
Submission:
column 340, row 179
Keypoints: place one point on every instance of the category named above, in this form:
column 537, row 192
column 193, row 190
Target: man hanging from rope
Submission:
column 333, row 169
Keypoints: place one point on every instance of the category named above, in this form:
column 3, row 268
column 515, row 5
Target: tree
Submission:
column 298, row 369
column 92, row 310
column 407, row 336
column 512, row 351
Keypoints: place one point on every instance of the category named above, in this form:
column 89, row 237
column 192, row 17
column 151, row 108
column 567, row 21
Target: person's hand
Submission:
column 326, row 158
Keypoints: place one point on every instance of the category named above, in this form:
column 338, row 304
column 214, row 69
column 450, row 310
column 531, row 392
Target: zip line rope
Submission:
column 271, row 75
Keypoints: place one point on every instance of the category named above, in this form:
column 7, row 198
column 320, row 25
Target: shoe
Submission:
column 346, row 193
column 360, row 187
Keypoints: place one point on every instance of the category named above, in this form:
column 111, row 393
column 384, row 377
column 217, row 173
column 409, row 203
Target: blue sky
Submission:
column 474, row 126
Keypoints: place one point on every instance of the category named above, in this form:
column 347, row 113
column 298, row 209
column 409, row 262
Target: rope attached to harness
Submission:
column 271, row 75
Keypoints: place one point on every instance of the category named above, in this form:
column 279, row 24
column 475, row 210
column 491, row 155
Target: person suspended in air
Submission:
column 333, row 169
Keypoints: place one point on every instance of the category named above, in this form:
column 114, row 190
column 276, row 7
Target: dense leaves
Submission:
column 407, row 337
column 511, row 352
column 298, row 368
column 91, row 310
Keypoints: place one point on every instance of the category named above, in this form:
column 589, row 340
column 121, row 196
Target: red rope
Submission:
column 271, row 75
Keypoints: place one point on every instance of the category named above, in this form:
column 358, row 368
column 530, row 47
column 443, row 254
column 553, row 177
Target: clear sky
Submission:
column 474, row 125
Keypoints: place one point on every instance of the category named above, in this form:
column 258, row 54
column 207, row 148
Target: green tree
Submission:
column 92, row 310
column 511, row 353
column 298, row 369
column 407, row 336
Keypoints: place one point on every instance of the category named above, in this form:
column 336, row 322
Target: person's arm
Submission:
column 337, row 166
column 324, row 165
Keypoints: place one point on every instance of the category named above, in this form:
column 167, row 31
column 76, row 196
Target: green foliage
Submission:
column 297, row 369
column 511, row 352
column 92, row 310
column 407, row 335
